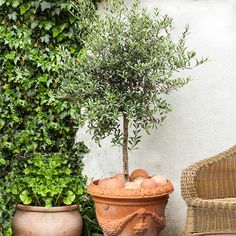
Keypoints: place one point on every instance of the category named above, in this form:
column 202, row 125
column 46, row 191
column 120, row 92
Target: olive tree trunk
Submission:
column 125, row 147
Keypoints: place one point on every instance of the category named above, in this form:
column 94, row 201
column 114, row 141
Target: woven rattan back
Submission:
column 218, row 178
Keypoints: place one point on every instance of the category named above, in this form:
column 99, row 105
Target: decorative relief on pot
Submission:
column 115, row 227
column 140, row 228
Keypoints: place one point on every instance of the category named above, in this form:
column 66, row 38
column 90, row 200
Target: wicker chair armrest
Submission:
column 188, row 189
column 212, row 166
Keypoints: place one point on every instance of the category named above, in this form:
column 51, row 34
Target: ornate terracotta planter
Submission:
column 130, row 212
column 42, row 221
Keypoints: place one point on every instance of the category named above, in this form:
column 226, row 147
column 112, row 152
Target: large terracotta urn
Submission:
column 42, row 221
column 130, row 212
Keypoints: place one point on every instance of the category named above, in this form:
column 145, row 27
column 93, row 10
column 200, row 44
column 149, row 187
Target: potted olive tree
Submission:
column 130, row 61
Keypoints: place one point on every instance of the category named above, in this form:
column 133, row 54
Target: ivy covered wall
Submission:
column 31, row 118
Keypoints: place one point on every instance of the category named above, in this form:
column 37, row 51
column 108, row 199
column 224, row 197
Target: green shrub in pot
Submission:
column 48, row 180
column 54, row 180
column 51, row 180
column 47, row 188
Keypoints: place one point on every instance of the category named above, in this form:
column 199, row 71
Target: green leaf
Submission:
column 57, row 30
column 13, row 16
column 45, row 5
column 34, row 24
column 24, row 197
column 2, row 161
column 48, row 202
column 11, row 55
column 72, row 19
column 24, row 8
column 2, row 2
column 48, row 25
column 70, row 197
column 45, row 38
column 57, row 11
column 16, row 3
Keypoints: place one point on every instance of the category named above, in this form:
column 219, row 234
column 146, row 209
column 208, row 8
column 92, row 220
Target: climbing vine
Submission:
column 31, row 118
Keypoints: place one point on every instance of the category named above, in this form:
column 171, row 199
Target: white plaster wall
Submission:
column 203, row 121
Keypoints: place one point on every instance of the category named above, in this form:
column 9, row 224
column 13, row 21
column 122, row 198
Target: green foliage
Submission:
column 48, row 180
column 31, row 119
column 90, row 226
column 129, row 63
column 51, row 21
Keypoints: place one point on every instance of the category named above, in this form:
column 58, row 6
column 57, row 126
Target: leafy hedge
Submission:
column 31, row 119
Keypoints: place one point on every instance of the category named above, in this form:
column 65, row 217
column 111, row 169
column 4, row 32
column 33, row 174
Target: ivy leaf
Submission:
column 24, row 8
column 11, row 55
column 57, row 30
column 72, row 19
column 45, row 5
column 2, row 161
column 48, row 25
column 43, row 78
column 34, row 24
column 45, row 38
column 13, row 16
column 16, row 3
column 57, row 11
column 2, row 2
column 24, row 197
column 70, row 197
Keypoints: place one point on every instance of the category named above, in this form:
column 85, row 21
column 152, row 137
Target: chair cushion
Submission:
column 214, row 215
column 215, row 203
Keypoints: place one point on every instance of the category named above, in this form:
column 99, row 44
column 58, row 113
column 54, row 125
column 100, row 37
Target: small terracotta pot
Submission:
column 42, row 221
column 130, row 212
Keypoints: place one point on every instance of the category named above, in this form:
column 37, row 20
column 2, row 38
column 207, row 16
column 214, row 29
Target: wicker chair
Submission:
column 209, row 189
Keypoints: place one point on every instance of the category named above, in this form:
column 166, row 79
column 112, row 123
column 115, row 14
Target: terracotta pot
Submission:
column 130, row 212
column 42, row 221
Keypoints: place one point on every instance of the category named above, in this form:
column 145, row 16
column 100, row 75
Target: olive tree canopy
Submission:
column 130, row 61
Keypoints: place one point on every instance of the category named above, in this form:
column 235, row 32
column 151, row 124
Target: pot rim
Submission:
column 157, row 192
column 45, row 209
